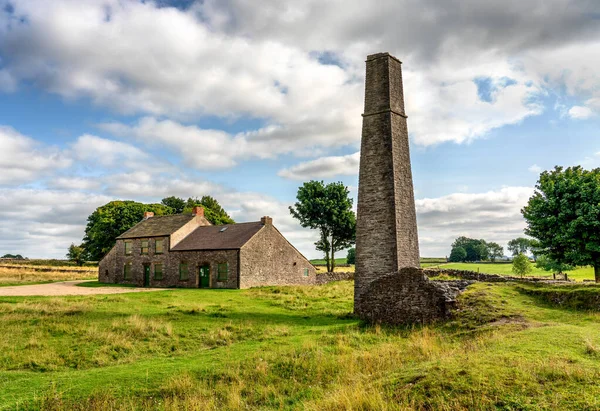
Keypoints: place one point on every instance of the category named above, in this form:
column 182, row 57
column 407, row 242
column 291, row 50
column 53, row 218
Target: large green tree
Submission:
column 327, row 208
column 111, row 220
column 476, row 250
column 563, row 215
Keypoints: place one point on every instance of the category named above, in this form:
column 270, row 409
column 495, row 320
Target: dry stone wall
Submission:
column 408, row 297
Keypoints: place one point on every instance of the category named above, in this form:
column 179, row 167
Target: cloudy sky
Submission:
column 127, row 99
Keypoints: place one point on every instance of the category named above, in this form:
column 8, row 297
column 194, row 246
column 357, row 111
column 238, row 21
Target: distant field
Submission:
column 322, row 262
column 580, row 274
column 20, row 274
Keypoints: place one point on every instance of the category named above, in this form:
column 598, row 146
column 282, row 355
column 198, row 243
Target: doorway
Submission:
column 146, row 275
column 204, row 275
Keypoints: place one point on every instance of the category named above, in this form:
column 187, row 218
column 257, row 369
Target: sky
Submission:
column 138, row 100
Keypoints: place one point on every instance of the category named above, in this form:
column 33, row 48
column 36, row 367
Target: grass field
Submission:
column 22, row 274
column 579, row 274
column 292, row 348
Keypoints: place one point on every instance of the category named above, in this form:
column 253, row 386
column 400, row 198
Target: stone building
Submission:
column 185, row 250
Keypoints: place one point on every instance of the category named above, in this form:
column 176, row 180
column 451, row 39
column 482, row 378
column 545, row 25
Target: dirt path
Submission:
column 66, row 288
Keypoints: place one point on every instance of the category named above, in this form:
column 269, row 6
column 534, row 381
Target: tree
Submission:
column 175, row 203
column 109, row 221
column 563, row 215
column 521, row 265
column 213, row 211
column 13, row 256
column 76, row 254
column 458, row 254
column 351, row 257
column 547, row 264
column 327, row 208
column 476, row 249
column 519, row 245
column 494, row 251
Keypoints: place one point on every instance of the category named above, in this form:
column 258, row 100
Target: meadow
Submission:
column 293, row 348
column 22, row 274
column 579, row 274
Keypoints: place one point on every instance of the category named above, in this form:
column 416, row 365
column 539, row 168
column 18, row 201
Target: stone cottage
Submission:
column 185, row 250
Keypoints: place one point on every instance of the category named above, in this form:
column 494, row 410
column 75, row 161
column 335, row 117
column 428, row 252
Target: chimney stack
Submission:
column 266, row 220
column 199, row 211
column 148, row 214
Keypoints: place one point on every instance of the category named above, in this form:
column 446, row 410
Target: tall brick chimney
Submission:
column 198, row 210
column 148, row 214
column 266, row 220
column 386, row 227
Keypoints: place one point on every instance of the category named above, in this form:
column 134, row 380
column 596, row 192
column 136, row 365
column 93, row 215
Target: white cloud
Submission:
column 324, row 167
column 23, row 159
column 222, row 58
column 535, row 169
column 107, row 153
column 580, row 112
column 43, row 223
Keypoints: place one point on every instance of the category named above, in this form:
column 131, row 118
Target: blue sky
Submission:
column 107, row 99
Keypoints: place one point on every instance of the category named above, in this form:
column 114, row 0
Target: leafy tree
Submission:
column 76, row 254
column 563, row 215
column 521, row 265
column 494, row 251
column 458, row 254
column 175, row 203
column 519, row 245
column 109, row 221
column 476, row 249
column 351, row 257
column 212, row 210
column 327, row 208
column 547, row 264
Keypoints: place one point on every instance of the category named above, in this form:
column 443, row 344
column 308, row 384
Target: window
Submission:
column 222, row 269
column 184, row 273
column 306, row 272
column 145, row 246
column 159, row 246
column 128, row 245
column 127, row 271
column 158, row 271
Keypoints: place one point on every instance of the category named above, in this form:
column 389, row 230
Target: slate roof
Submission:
column 157, row 226
column 219, row 237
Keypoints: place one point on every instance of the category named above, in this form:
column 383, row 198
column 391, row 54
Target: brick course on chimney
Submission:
column 266, row 220
column 148, row 214
column 199, row 211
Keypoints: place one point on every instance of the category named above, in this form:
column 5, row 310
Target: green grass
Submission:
column 579, row 274
column 292, row 348
column 322, row 261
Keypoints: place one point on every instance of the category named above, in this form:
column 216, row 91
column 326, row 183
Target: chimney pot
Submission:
column 266, row 220
column 199, row 211
column 148, row 214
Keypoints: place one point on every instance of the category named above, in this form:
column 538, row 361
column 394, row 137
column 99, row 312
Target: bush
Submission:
column 521, row 265
column 351, row 258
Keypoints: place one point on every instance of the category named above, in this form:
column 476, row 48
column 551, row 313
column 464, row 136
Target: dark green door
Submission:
column 204, row 273
column 146, row 275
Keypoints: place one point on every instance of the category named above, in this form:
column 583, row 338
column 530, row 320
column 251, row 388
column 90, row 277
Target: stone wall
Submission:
column 325, row 278
column 269, row 259
column 408, row 297
column 490, row 278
